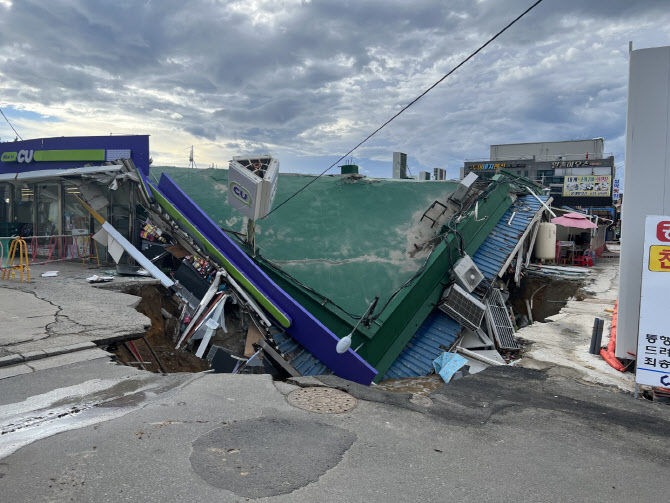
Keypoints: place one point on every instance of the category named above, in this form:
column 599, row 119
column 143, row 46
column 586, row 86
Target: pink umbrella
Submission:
column 576, row 220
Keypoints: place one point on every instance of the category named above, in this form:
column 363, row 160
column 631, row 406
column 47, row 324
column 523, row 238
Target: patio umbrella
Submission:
column 576, row 220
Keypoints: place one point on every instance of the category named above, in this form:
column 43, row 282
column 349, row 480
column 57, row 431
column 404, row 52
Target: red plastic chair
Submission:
column 585, row 260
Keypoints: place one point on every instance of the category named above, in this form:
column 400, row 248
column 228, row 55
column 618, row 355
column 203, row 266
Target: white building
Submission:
column 550, row 150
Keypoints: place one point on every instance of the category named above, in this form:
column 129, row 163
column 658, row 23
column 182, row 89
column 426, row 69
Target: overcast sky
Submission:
column 307, row 80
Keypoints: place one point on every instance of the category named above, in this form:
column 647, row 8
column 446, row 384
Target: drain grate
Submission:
column 322, row 400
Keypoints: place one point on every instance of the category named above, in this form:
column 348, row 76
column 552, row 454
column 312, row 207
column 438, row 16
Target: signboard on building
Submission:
column 69, row 152
column 577, row 164
column 587, row 186
column 653, row 347
column 252, row 184
column 496, row 165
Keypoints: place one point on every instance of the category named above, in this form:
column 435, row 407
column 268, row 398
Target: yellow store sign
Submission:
column 659, row 258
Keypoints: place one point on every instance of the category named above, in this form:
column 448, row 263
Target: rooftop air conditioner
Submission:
column 466, row 274
column 462, row 307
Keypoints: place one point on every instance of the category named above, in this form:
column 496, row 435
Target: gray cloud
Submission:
column 316, row 77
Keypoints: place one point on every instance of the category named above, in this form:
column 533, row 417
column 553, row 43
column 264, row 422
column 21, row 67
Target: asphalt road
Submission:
column 505, row 434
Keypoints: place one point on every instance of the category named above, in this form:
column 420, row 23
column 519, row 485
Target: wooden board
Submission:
column 253, row 336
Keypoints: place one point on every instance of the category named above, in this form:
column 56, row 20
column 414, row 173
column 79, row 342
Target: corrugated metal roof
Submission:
column 493, row 253
column 439, row 330
column 301, row 359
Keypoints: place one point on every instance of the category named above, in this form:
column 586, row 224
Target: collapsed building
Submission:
column 361, row 277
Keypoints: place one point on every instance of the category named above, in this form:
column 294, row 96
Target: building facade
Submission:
column 41, row 181
column 583, row 179
column 399, row 165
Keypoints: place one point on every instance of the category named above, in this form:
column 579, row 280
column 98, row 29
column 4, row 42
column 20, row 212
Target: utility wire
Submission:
column 408, row 105
column 10, row 124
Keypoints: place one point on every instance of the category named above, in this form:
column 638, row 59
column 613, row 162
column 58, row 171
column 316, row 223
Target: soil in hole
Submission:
column 549, row 296
column 160, row 335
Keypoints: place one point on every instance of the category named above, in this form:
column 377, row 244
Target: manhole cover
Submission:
column 322, row 400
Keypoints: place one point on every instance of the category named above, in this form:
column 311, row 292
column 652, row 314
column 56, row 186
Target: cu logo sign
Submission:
column 240, row 193
column 24, row 156
column 665, row 380
column 663, row 231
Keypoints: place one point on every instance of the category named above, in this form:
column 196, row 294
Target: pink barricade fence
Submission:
column 57, row 248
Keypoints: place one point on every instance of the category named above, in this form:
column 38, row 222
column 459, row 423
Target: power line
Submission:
column 10, row 124
column 408, row 105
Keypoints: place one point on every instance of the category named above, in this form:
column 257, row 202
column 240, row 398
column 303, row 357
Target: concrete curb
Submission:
column 40, row 354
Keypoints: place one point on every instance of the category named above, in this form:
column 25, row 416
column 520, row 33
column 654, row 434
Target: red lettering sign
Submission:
column 663, row 231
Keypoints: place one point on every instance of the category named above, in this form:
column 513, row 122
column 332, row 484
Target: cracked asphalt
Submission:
column 504, row 434
column 65, row 312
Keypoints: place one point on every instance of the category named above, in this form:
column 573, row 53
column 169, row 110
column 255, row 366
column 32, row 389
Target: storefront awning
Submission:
column 47, row 174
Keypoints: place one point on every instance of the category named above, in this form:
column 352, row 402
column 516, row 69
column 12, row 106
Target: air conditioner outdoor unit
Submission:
column 462, row 307
column 466, row 274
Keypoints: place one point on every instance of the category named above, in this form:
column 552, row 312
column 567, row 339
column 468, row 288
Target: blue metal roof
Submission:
column 301, row 359
column 439, row 330
column 501, row 241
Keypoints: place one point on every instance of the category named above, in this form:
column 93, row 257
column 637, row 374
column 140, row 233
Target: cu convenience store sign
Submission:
column 653, row 346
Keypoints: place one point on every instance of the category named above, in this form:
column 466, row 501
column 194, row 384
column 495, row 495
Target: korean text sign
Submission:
column 587, row 185
column 653, row 347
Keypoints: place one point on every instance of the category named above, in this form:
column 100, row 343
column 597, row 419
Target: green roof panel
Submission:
column 348, row 238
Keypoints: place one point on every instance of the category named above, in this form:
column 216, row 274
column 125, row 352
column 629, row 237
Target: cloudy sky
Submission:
column 307, row 80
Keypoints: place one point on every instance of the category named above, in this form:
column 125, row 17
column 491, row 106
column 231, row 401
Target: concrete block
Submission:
column 34, row 355
column 10, row 360
column 14, row 370
column 71, row 348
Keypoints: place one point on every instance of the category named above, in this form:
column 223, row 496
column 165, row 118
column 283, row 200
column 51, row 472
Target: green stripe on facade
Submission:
column 144, row 185
column 230, row 268
column 69, row 155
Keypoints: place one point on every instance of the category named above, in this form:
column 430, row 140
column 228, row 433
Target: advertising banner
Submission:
column 653, row 346
column 587, row 186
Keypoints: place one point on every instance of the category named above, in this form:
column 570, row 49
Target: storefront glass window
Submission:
column 5, row 202
column 76, row 218
column 48, row 209
column 24, row 206
column 120, row 211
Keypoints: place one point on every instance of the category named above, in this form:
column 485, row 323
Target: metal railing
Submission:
column 55, row 248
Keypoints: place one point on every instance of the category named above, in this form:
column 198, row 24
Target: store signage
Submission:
column 27, row 156
column 240, row 193
column 575, row 164
column 496, row 165
column 653, row 346
column 587, row 186
column 663, row 231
